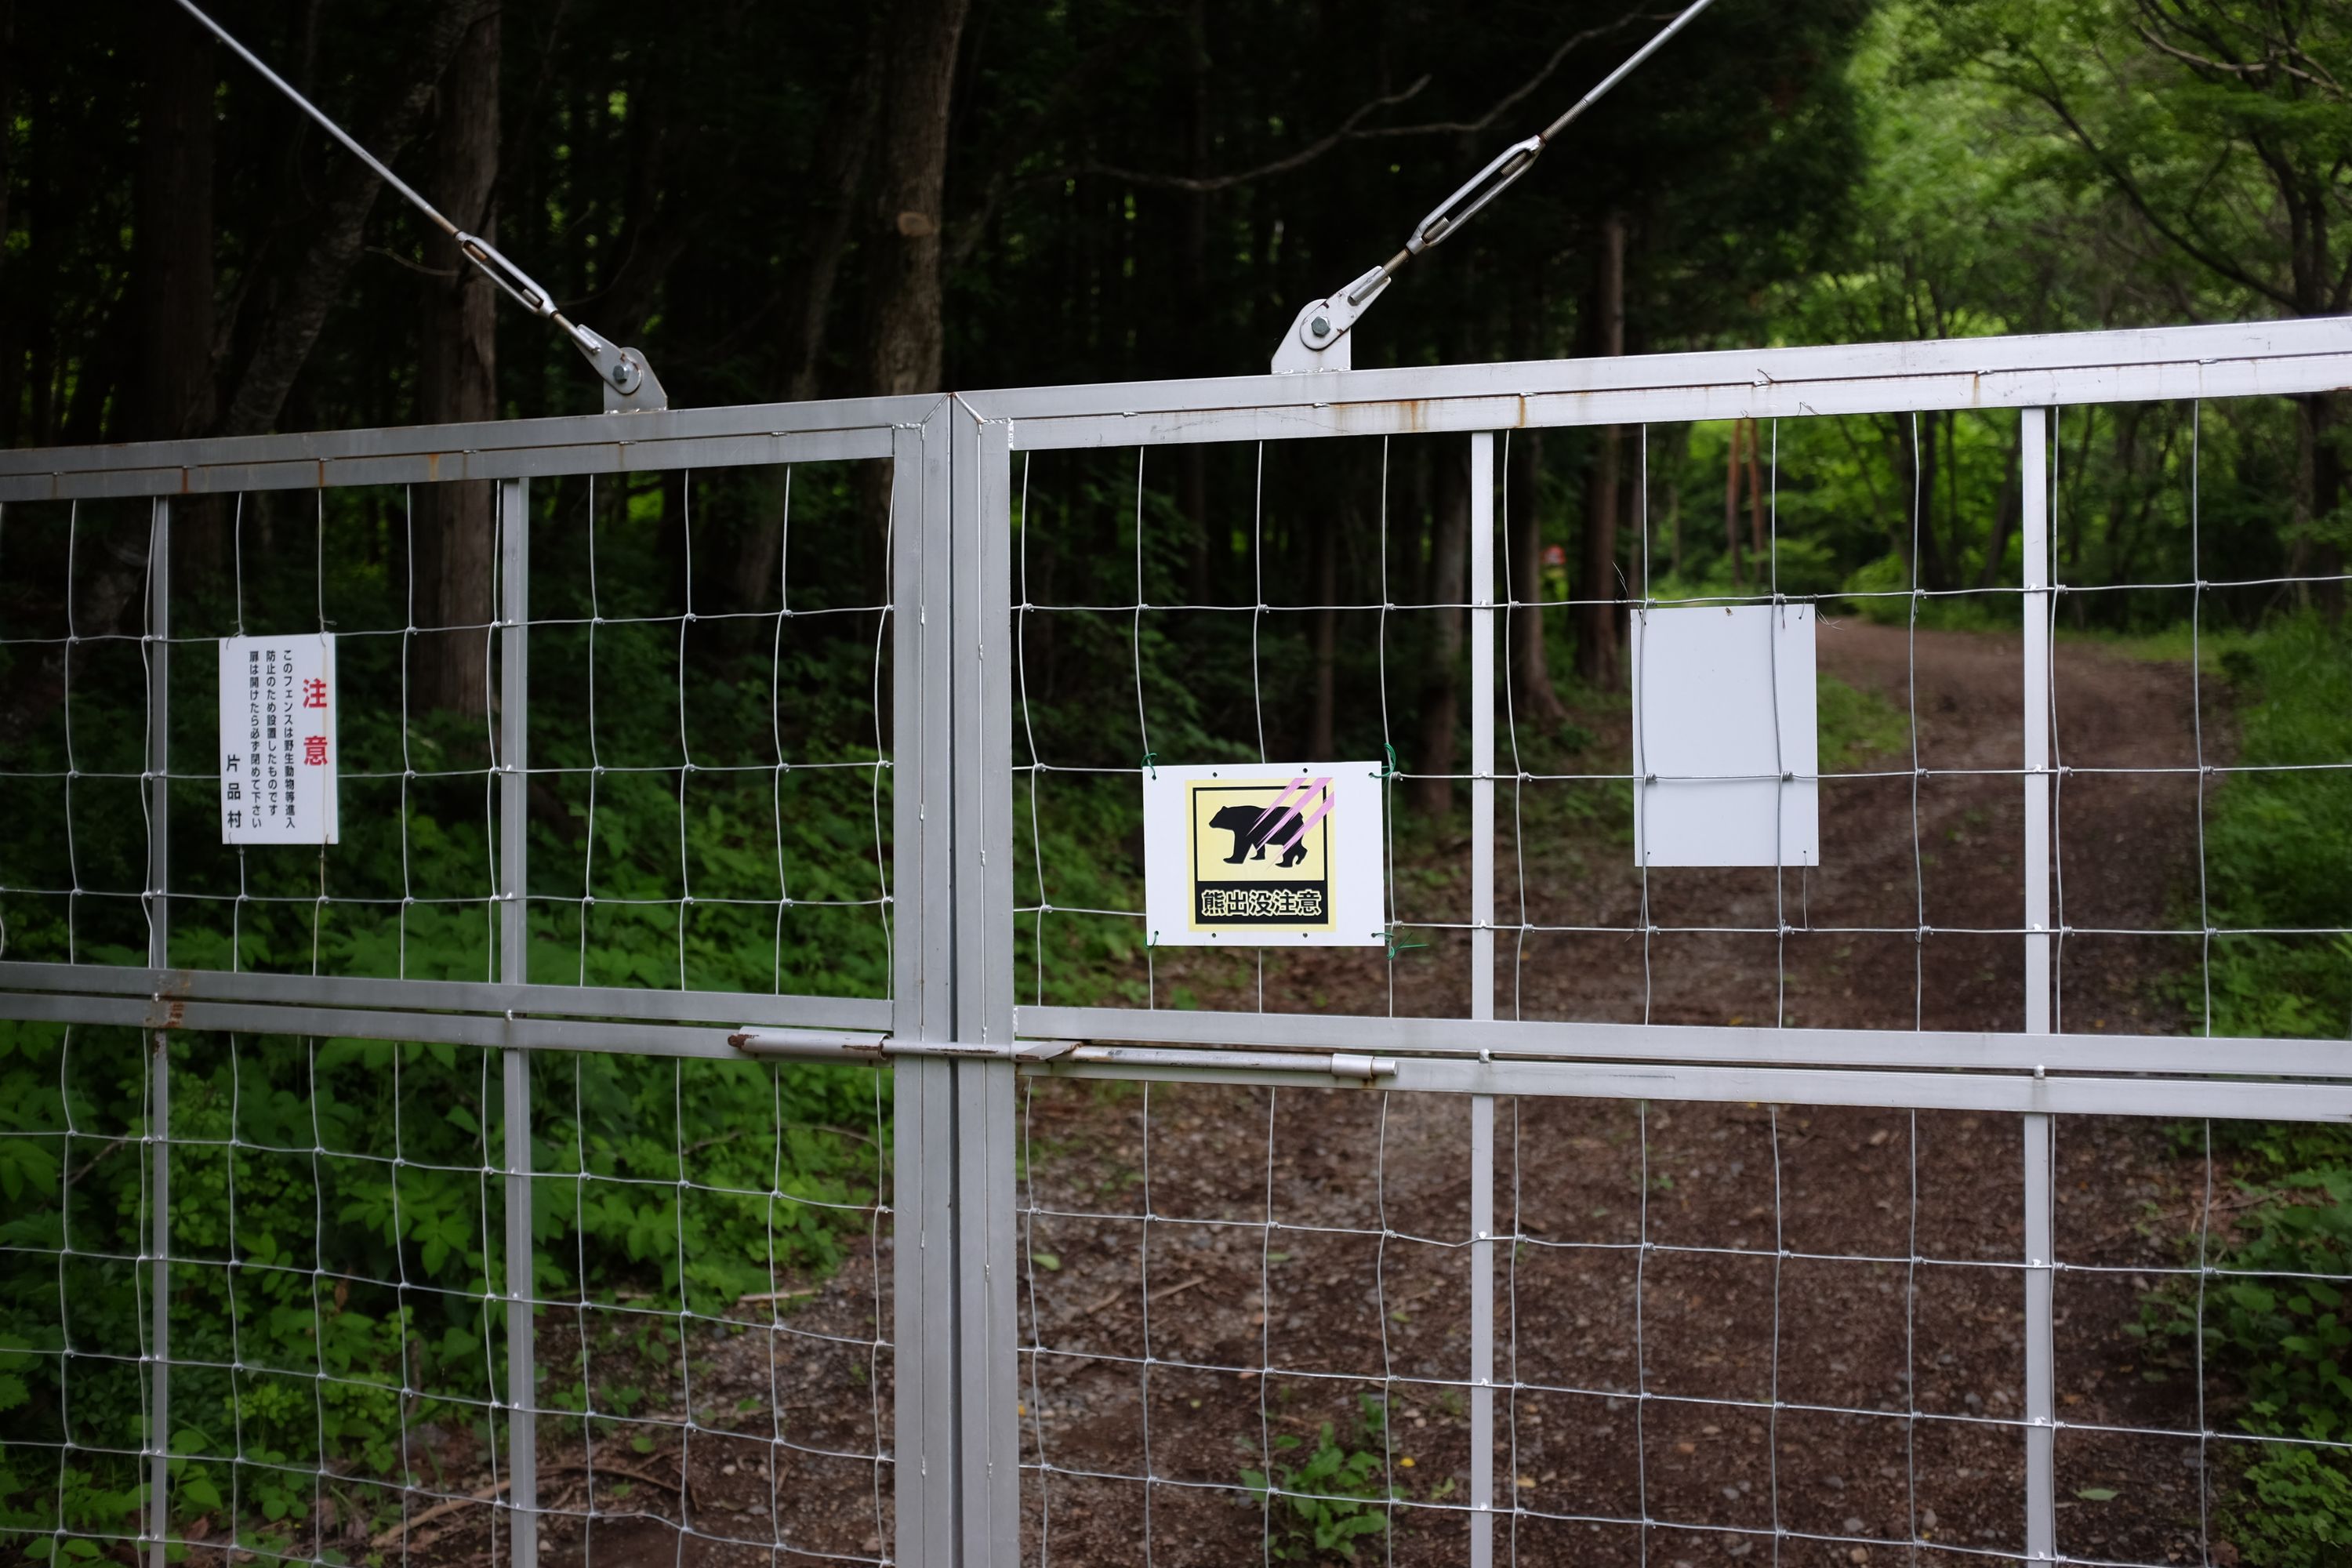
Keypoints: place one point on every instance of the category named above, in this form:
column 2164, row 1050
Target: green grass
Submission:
column 1857, row 727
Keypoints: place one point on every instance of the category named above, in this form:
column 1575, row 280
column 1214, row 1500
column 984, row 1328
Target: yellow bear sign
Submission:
column 1257, row 856
column 1261, row 852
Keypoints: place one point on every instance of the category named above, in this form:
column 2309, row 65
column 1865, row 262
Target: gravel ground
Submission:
column 1306, row 1251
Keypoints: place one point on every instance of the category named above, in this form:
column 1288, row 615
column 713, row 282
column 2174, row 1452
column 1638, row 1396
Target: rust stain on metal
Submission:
column 177, row 982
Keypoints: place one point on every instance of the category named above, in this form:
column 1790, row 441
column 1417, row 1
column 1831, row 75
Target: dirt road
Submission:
column 1730, row 1333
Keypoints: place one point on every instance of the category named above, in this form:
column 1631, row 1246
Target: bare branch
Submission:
column 1346, row 132
column 2271, row 64
column 2120, row 177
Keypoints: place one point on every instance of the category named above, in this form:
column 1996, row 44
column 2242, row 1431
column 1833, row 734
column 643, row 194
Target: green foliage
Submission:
column 336, row 1233
column 2278, row 849
column 2278, row 853
column 1322, row 1505
column 2287, row 1342
column 2296, row 1510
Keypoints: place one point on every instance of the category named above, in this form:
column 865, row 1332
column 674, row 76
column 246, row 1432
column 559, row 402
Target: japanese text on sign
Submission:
column 279, row 753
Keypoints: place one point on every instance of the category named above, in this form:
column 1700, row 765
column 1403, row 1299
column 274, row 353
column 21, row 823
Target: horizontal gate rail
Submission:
column 2168, row 1097
column 169, row 987
column 2270, row 358
column 1698, row 1045
column 491, row 449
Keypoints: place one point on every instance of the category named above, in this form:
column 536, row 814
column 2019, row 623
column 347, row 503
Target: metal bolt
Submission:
column 1320, row 326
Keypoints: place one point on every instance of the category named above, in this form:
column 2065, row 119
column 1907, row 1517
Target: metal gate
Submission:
column 973, row 1336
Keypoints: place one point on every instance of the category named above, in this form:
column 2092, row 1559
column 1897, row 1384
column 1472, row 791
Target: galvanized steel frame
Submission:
column 2033, row 1072
column 951, row 1025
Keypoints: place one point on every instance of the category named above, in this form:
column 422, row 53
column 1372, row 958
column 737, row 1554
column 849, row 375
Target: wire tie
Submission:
column 1395, row 946
column 1147, row 759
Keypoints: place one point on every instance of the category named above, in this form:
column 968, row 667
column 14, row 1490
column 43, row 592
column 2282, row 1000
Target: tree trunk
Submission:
column 841, row 163
column 8, row 114
column 1192, row 281
column 842, row 160
column 172, row 235
column 1532, row 696
column 1596, row 618
column 2320, row 468
column 1928, row 569
column 1441, row 698
column 1675, row 497
column 457, row 381
column 12, row 349
column 1321, row 740
column 1731, row 503
column 1760, row 546
column 2004, row 517
column 316, row 281
column 906, row 341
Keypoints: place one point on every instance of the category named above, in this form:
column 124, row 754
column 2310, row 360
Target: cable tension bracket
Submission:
column 1318, row 337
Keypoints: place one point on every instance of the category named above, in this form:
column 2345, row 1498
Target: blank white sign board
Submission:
column 1725, row 751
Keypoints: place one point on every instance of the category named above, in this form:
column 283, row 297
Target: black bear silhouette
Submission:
column 1251, row 828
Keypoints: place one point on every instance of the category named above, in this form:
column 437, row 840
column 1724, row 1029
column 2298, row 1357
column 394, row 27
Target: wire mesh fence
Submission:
column 741, row 886
column 335, row 1294
column 335, row 1289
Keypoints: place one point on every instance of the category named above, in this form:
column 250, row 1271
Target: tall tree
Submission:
column 172, row 237
column 294, row 303
column 456, row 379
column 1440, row 694
column 1533, row 697
column 907, row 336
column 1598, row 613
column 2222, row 127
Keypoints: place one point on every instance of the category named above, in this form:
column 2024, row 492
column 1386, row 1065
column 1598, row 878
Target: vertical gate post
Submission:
column 1482, row 996
column 923, row 1320
column 986, row 1132
column 2041, row 1480
column 514, row 952
column 159, row 956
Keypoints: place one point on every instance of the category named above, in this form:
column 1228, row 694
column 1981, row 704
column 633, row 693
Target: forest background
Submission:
column 790, row 201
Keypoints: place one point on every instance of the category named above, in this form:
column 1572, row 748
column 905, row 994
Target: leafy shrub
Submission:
column 1321, row 1506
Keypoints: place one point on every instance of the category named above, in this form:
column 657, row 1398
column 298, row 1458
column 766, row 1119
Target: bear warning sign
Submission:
column 1263, row 856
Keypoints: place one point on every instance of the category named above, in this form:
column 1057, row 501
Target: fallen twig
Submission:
column 1156, row 1296
column 488, row 1494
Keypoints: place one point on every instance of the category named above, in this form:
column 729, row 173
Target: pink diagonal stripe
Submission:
column 1282, row 803
column 1320, row 813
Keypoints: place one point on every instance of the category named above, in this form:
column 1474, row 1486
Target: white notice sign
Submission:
column 1253, row 855
column 1724, row 742
column 279, row 751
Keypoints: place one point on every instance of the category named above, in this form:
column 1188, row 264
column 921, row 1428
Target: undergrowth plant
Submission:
column 335, row 1221
column 2278, row 855
column 1320, row 1506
